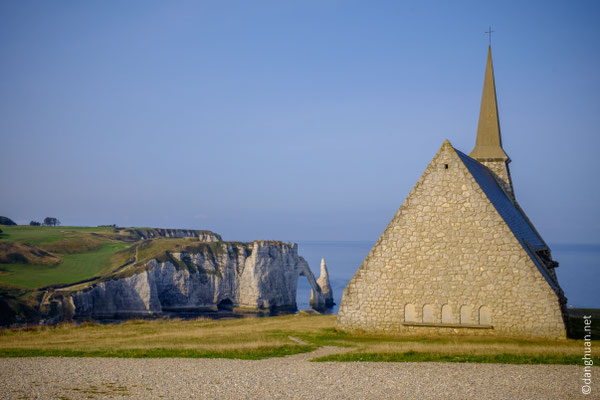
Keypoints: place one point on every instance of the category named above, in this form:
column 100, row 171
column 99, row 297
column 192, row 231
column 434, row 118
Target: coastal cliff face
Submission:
column 323, row 283
column 151, row 233
column 261, row 275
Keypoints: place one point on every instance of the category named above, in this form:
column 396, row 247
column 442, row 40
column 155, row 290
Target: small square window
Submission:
column 446, row 166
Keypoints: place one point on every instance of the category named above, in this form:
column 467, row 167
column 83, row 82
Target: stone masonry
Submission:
column 447, row 263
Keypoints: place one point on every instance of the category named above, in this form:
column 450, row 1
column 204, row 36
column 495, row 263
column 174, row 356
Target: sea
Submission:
column 578, row 272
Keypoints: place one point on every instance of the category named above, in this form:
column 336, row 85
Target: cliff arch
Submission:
column 317, row 301
column 225, row 305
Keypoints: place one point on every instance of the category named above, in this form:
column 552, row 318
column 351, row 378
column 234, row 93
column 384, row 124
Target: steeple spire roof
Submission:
column 488, row 145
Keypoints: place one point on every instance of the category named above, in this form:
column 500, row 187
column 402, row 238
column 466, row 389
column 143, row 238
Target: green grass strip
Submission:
column 243, row 354
column 46, row 234
column 504, row 358
column 73, row 268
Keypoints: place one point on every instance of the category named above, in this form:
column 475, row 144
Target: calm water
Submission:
column 578, row 273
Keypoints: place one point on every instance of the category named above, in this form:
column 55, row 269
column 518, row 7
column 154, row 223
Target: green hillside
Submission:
column 34, row 259
column 82, row 252
column 73, row 268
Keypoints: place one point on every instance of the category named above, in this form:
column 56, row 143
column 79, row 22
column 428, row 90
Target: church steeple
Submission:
column 488, row 145
column 489, row 142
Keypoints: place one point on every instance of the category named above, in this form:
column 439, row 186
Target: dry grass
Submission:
column 200, row 334
column 80, row 243
column 470, row 347
column 143, row 251
column 19, row 253
column 261, row 337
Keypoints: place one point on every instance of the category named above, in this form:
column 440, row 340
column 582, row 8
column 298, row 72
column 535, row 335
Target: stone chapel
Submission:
column 460, row 256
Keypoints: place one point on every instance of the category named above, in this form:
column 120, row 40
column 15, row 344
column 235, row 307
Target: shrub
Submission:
column 6, row 221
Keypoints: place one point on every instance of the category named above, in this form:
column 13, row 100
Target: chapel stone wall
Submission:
column 449, row 255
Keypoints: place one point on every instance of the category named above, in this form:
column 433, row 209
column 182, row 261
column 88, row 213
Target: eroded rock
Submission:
column 261, row 275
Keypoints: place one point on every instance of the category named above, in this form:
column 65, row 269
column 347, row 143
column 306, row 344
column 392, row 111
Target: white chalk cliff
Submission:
column 261, row 275
column 325, row 286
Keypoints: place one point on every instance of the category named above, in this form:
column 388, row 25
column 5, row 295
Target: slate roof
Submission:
column 514, row 217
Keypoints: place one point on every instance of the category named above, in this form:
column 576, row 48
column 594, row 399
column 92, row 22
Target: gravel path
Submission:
column 292, row 377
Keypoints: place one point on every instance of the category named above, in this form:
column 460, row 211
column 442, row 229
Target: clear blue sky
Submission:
column 291, row 120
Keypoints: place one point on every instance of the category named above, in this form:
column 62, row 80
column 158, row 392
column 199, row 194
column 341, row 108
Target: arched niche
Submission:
column 410, row 313
column 428, row 314
column 447, row 317
column 466, row 313
column 485, row 316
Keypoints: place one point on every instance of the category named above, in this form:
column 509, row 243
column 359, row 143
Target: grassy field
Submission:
column 47, row 234
column 256, row 338
column 73, row 268
column 83, row 252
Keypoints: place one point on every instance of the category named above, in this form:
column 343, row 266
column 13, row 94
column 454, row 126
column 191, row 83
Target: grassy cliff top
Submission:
column 41, row 257
column 34, row 257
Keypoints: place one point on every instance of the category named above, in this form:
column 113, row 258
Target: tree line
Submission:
column 48, row 221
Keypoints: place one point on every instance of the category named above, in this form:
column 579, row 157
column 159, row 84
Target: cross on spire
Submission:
column 489, row 32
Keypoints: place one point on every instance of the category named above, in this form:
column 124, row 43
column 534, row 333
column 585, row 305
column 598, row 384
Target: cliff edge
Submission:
column 260, row 275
